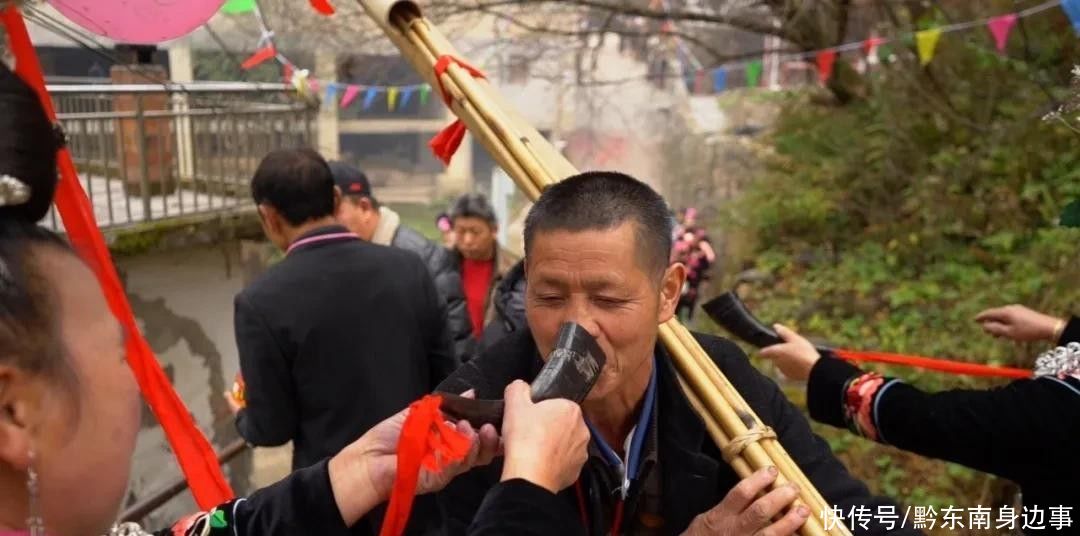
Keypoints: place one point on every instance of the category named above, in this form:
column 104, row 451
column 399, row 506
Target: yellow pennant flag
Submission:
column 391, row 97
column 926, row 41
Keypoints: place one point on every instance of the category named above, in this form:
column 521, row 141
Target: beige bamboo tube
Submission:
column 776, row 452
column 481, row 129
column 716, row 431
column 771, row 446
column 808, row 494
column 726, row 416
column 471, row 89
column 738, row 464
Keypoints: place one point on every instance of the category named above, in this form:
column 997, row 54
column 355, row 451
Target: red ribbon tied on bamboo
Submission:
column 446, row 142
column 428, row 442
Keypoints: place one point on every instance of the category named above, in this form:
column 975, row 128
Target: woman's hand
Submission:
column 363, row 473
column 795, row 356
column 1020, row 324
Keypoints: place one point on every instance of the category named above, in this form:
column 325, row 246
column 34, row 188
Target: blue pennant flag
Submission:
column 369, row 97
column 1072, row 10
column 719, row 80
column 406, row 94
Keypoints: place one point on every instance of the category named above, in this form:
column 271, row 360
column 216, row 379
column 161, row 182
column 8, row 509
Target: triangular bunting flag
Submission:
column 406, row 95
column 926, row 41
column 391, row 98
column 369, row 97
column 351, row 91
column 1072, row 10
column 825, row 61
column 753, row 73
column 314, row 85
column 425, row 92
column 322, row 6
column 719, row 77
column 331, row 94
column 1000, row 28
column 265, row 53
column 235, row 7
column 699, row 82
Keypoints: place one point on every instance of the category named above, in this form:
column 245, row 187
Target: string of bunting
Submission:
column 397, row 97
column 926, row 42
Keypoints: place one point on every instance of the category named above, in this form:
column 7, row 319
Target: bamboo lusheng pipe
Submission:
column 787, row 467
column 742, row 469
column 533, row 164
column 732, row 418
column 775, row 451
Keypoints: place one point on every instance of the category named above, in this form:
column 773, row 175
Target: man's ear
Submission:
column 19, row 406
column 366, row 204
column 670, row 290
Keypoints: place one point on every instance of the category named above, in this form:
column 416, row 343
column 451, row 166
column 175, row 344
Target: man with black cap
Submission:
column 377, row 223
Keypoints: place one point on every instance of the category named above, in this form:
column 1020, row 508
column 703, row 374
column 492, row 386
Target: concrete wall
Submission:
column 182, row 299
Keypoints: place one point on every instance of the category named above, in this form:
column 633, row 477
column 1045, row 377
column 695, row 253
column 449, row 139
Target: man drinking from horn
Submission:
column 597, row 247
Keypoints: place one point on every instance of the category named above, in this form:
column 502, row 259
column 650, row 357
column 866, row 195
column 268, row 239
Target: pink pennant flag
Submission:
column 1000, row 28
column 825, row 61
column 349, row 96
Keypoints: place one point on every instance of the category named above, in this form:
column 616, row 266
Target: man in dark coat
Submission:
column 596, row 250
column 339, row 335
column 377, row 223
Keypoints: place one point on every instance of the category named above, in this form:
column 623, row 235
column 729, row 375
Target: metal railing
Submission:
column 154, row 152
column 177, row 486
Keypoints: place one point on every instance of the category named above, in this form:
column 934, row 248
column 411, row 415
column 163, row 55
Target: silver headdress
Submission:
column 1063, row 360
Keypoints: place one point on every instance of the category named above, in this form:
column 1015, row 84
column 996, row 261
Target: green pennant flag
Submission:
column 1070, row 217
column 236, row 7
column 753, row 73
column 425, row 90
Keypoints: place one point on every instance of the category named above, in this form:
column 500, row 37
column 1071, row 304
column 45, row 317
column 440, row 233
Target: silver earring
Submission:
column 34, row 523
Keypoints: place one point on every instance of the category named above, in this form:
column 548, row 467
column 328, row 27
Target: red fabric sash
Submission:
column 193, row 452
column 929, row 363
column 426, row 441
column 446, row 142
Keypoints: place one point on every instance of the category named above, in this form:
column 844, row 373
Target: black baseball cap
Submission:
column 351, row 180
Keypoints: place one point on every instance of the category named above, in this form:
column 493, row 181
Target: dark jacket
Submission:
column 693, row 476
column 443, row 271
column 509, row 304
column 333, row 339
column 1027, row 431
column 303, row 503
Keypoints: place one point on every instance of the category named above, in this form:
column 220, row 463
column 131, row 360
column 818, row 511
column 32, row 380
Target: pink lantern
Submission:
column 139, row 22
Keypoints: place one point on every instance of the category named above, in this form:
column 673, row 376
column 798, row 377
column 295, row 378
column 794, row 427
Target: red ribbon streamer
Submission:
column 193, row 452
column 426, row 441
column 929, row 363
column 446, row 142
column 322, row 6
column 263, row 54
